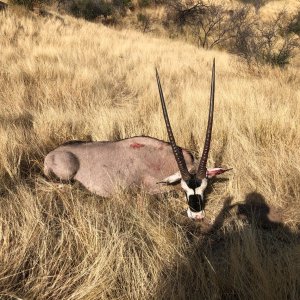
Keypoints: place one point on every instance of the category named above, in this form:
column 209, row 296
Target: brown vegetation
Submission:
column 78, row 80
column 237, row 27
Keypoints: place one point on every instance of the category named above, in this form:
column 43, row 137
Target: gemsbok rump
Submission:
column 139, row 161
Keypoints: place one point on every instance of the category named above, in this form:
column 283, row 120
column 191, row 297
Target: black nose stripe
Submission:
column 195, row 203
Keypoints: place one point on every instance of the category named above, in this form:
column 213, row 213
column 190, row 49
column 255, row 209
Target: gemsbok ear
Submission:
column 210, row 173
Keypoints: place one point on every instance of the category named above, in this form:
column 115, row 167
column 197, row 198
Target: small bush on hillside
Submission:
column 256, row 3
column 29, row 3
column 209, row 24
column 240, row 31
column 145, row 3
column 122, row 4
column 294, row 25
column 266, row 42
column 91, row 9
column 144, row 22
column 213, row 25
column 180, row 12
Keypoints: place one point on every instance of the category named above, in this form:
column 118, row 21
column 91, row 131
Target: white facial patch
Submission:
column 198, row 191
column 201, row 188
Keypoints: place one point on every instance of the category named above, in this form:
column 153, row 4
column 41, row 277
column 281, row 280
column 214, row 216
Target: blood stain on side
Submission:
column 136, row 145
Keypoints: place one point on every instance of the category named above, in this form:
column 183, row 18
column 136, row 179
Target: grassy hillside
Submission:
column 62, row 80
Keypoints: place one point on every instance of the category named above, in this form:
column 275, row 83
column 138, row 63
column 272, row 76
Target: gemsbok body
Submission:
column 140, row 161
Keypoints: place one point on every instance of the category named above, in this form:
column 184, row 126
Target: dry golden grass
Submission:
column 77, row 80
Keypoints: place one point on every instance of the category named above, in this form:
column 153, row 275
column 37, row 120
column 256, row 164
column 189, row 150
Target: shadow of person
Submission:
column 255, row 211
column 216, row 263
column 222, row 215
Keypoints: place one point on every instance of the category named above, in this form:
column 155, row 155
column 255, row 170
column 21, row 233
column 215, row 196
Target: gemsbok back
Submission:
column 139, row 161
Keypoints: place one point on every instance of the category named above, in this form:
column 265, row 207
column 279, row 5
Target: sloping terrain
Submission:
column 63, row 79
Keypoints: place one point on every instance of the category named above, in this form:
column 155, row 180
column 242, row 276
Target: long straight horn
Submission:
column 201, row 173
column 176, row 150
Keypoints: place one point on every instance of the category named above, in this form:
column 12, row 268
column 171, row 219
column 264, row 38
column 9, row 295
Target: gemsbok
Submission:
column 139, row 161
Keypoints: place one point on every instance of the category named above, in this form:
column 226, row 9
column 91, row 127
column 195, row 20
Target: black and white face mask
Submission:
column 194, row 189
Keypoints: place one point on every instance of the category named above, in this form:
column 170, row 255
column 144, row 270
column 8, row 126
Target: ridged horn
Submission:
column 176, row 150
column 201, row 173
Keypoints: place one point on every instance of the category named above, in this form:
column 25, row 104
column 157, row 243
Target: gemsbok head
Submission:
column 139, row 161
column 193, row 183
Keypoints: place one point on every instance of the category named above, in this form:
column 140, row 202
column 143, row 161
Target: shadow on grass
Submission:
column 245, row 238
